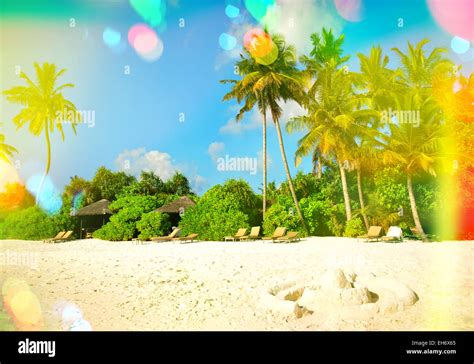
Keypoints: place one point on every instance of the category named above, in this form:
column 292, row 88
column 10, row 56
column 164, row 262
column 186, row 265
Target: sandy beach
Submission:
column 219, row 286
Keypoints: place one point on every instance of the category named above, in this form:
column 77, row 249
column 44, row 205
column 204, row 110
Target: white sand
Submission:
column 216, row 285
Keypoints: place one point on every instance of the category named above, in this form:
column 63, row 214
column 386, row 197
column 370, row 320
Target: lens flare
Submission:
column 232, row 11
column 72, row 318
column 152, row 11
column 350, row 10
column 227, row 41
column 8, row 175
column 259, row 8
column 49, row 198
column 22, row 304
column 260, row 46
column 454, row 16
column 460, row 45
column 146, row 42
column 113, row 40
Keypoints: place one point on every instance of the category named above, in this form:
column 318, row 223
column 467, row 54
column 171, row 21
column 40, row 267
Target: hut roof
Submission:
column 173, row 207
column 97, row 208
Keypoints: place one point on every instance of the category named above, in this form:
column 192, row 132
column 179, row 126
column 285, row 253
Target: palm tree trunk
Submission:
column 361, row 198
column 264, row 161
column 320, row 168
column 414, row 209
column 288, row 175
column 48, row 164
column 345, row 192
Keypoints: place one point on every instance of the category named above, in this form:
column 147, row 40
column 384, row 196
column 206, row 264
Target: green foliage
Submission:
column 128, row 211
column 153, row 224
column 221, row 211
column 29, row 224
column 107, row 184
column 178, row 185
column 281, row 213
column 354, row 227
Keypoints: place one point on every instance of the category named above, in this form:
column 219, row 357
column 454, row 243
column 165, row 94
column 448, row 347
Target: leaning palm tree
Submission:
column 6, row 151
column 268, row 86
column 44, row 107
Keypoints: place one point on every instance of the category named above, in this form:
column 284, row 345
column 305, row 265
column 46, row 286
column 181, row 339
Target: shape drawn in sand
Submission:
column 336, row 289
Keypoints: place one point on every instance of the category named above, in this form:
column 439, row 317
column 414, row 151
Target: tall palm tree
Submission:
column 332, row 123
column 44, row 107
column 329, row 123
column 6, row 151
column 243, row 91
column 378, row 87
column 417, row 147
column 268, row 86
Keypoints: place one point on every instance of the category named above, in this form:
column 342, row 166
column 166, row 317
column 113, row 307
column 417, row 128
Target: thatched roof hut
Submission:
column 98, row 208
column 93, row 217
column 176, row 206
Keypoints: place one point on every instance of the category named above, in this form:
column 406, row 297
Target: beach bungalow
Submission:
column 93, row 217
column 176, row 209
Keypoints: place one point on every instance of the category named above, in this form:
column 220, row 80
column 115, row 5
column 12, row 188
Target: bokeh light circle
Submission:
column 227, row 41
column 460, row 45
column 260, row 46
column 152, row 11
column 259, row 8
column 350, row 10
column 454, row 16
column 146, row 42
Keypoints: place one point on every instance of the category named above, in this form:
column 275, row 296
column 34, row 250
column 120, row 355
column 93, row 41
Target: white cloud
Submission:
column 251, row 122
column 215, row 149
column 290, row 109
column 137, row 160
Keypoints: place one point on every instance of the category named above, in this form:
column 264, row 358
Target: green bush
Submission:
column 128, row 211
column 354, row 227
column 28, row 224
column 221, row 211
column 153, row 224
column 282, row 213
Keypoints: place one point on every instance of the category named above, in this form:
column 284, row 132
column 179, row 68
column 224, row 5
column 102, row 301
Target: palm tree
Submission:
column 416, row 148
column 44, row 107
column 332, row 124
column 379, row 91
column 267, row 86
column 6, row 151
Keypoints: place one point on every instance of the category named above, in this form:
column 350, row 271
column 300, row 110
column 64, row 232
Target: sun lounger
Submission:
column 241, row 232
column 279, row 232
column 254, row 234
column 394, row 233
column 171, row 236
column 65, row 237
column 190, row 238
column 57, row 237
column 374, row 233
column 288, row 238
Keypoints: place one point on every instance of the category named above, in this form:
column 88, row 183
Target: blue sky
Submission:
column 137, row 115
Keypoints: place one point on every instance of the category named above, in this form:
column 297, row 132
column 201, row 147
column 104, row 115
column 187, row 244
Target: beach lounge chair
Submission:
column 241, row 232
column 57, row 237
column 394, row 233
column 171, row 236
column 279, row 232
column 190, row 238
column 374, row 233
column 288, row 238
column 65, row 237
column 254, row 234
